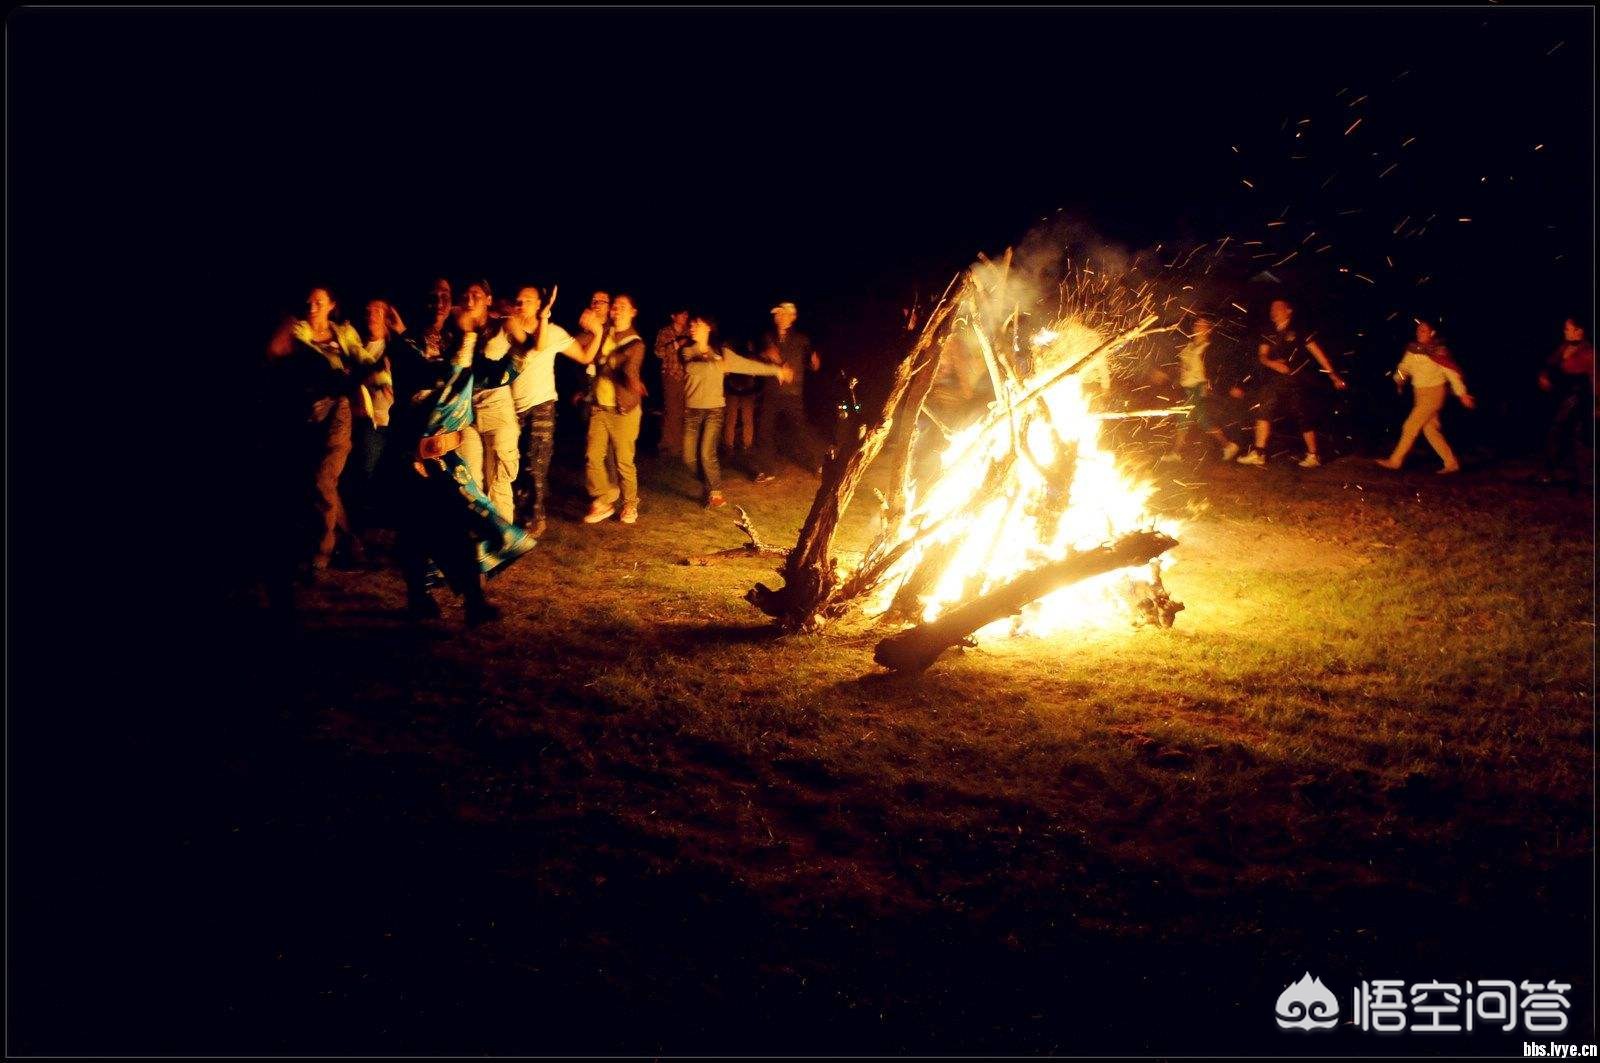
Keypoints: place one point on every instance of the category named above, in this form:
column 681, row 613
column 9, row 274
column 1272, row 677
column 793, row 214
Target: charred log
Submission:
column 915, row 649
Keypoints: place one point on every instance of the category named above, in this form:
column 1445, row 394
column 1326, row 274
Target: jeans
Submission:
column 702, row 431
column 360, row 487
column 538, row 442
column 612, row 433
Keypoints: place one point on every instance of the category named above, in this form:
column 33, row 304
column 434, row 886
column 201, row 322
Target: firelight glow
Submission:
column 1061, row 492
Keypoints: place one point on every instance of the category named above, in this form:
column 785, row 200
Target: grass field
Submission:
column 629, row 819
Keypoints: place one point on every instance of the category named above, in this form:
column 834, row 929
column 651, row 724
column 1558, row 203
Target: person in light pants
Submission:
column 616, row 350
column 1428, row 365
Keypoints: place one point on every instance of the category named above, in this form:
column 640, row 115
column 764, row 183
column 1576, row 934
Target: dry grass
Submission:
column 1366, row 750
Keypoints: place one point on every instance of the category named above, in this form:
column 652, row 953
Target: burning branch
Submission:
column 809, row 573
column 885, row 553
column 915, row 649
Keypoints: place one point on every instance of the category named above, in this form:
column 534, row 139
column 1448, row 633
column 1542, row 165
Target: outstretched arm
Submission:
column 738, row 363
column 1326, row 363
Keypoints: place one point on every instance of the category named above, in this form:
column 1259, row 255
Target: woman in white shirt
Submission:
column 1428, row 364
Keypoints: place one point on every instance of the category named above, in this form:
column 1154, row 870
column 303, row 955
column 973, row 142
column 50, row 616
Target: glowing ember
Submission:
column 1024, row 486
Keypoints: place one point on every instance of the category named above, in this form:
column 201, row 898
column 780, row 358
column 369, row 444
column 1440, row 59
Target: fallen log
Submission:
column 914, row 649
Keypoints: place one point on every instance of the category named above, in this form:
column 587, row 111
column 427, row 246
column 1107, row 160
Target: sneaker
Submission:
column 1230, row 452
column 1385, row 463
column 536, row 529
column 630, row 513
column 598, row 512
column 764, row 477
column 1255, row 457
column 1448, row 470
column 715, row 500
column 1310, row 461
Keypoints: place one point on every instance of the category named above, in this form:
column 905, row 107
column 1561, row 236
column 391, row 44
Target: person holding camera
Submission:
column 616, row 350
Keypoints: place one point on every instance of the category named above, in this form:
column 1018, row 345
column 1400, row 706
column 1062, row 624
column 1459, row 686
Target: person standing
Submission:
column 485, row 344
column 329, row 358
column 616, row 350
column 782, row 424
column 436, row 315
column 670, row 342
column 1428, row 365
column 1569, row 375
column 1194, row 376
column 443, row 515
column 1289, row 354
column 704, row 368
column 371, row 414
column 534, row 395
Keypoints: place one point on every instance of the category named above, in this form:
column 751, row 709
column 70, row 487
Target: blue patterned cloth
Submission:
column 501, row 542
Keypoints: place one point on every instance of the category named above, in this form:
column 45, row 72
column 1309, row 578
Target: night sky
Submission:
column 846, row 160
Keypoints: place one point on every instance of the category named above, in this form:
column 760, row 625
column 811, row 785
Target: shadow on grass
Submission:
column 691, row 638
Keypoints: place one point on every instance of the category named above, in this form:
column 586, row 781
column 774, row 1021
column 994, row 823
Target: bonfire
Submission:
column 1028, row 525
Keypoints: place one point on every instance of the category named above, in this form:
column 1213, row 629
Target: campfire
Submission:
column 1025, row 486
column 1027, row 525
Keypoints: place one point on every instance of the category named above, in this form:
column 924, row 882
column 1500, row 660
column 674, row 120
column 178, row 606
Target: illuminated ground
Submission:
column 627, row 820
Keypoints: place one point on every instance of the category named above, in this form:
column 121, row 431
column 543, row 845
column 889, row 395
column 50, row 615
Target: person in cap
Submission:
column 782, row 428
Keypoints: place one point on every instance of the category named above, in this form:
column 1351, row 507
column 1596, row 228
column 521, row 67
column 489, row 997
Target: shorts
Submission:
column 1288, row 397
column 1199, row 407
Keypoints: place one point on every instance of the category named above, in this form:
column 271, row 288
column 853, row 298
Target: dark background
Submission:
column 178, row 180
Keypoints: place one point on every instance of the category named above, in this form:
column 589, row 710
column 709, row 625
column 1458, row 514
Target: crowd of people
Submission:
column 443, row 427
column 1290, row 369
column 441, row 423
